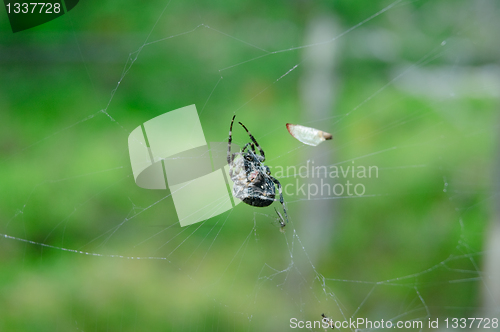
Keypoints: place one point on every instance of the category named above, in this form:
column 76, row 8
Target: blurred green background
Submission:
column 411, row 87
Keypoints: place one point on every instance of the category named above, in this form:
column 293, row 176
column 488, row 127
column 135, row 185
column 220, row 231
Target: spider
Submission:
column 253, row 183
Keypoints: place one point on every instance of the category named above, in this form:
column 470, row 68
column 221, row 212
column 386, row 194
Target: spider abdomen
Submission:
column 258, row 202
column 260, row 194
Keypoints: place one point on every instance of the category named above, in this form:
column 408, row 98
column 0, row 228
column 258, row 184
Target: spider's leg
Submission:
column 253, row 151
column 246, row 145
column 281, row 195
column 280, row 218
column 253, row 140
column 229, row 142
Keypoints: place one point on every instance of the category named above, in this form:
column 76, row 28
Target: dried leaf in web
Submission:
column 307, row 135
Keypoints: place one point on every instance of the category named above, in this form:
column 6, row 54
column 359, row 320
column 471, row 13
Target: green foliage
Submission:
column 67, row 183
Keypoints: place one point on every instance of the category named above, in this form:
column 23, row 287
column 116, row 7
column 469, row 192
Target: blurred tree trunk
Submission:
column 491, row 289
column 317, row 91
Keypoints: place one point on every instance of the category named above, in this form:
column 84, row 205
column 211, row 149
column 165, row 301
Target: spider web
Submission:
column 409, row 88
